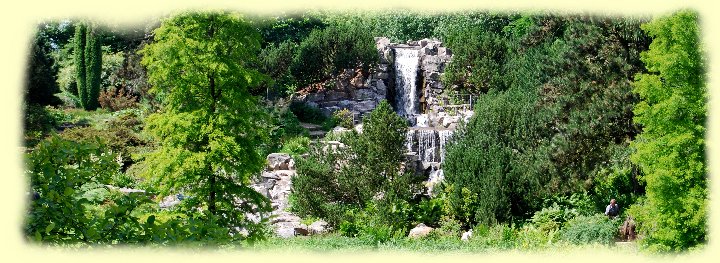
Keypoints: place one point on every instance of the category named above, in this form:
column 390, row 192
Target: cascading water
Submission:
column 444, row 137
column 426, row 145
column 409, row 139
column 406, row 67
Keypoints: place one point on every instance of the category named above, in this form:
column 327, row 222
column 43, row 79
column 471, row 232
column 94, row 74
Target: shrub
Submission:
column 121, row 136
column 115, row 99
column 477, row 62
column 552, row 218
column 59, row 171
column 284, row 125
column 275, row 61
column 307, row 113
column 489, row 178
column 296, row 146
column 345, row 118
column 332, row 183
column 428, row 211
column 325, row 52
column 38, row 122
column 590, row 229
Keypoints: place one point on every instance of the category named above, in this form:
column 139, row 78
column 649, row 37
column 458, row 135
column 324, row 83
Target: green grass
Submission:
column 334, row 243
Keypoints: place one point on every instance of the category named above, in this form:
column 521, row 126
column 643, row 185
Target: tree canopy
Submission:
column 210, row 125
column 671, row 147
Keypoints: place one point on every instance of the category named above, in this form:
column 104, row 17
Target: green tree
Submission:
column 331, row 183
column 210, row 125
column 93, row 69
column 41, row 72
column 79, row 57
column 558, row 111
column 671, row 147
column 88, row 65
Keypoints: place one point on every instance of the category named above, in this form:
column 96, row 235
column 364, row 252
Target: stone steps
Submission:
column 316, row 131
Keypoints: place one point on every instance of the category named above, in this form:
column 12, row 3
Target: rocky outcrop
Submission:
column 276, row 184
column 360, row 92
column 354, row 90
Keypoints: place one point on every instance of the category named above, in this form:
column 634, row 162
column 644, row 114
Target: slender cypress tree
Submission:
column 93, row 67
column 79, row 46
column 88, row 66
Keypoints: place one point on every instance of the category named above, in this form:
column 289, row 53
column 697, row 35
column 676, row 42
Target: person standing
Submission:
column 612, row 210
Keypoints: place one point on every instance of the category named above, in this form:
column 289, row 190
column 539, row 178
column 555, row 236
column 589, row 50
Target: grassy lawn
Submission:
column 334, row 243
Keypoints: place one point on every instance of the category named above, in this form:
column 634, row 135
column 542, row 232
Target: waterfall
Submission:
column 406, row 66
column 444, row 137
column 409, row 139
column 426, row 145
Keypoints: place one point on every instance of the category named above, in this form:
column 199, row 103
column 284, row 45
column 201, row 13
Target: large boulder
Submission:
column 467, row 235
column 420, row 230
column 318, row 227
column 278, row 161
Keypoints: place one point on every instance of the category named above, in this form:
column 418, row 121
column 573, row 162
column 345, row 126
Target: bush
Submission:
column 38, row 122
column 345, row 118
column 114, row 99
column 307, row 113
column 552, row 218
column 364, row 176
column 478, row 58
column 428, row 211
column 296, row 146
column 121, row 136
column 590, row 229
column 275, row 61
column 328, row 51
column 59, row 171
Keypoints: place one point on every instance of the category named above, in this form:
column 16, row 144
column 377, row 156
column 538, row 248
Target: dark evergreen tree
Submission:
column 88, row 65
column 79, row 52
column 41, row 72
column 93, row 68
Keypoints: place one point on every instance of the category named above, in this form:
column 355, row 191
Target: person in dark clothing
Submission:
column 612, row 209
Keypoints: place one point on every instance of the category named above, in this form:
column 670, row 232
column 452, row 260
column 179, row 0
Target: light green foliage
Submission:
column 671, row 147
column 296, row 146
column 63, row 174
column 591, row 229
column 112, row 62
column 552, row 218
column 210, row 126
